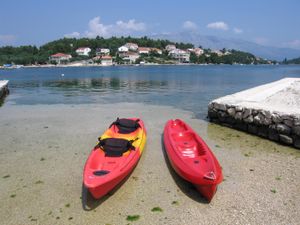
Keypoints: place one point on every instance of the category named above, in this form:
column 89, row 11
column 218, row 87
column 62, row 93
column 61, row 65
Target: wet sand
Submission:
column 44, row 147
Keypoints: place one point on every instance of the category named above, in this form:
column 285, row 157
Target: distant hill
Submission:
column 292, row 61
column 214, row 42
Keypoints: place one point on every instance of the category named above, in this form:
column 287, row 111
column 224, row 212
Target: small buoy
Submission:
column 62, row 74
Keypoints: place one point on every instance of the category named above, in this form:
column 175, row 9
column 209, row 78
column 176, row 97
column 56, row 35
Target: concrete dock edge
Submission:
column 3, row 88
column 270, row 111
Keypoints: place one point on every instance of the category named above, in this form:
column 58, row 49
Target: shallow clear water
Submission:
column 185, row 87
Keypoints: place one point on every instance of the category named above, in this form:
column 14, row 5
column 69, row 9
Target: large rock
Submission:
column 273, row 134
column 258, row 119
column 239, row 108
column 247, row 112
column 276, row 118
column 288, row 122
column 231, row 112
column 296, row 130
column 222, row 116
column 212, row 114
column 249, row 119
column 283, row 129
column 266, row 114
column 262, row 119
column 221, row 107
column 285, row 139
column 296, row 122
column 238, row 116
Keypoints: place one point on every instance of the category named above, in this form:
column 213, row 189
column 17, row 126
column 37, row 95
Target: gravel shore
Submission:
column 44, row 147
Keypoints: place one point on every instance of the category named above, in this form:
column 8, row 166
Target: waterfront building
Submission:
column 83, row 51
column 181, row 55
column 102, row 51
column 60, row 58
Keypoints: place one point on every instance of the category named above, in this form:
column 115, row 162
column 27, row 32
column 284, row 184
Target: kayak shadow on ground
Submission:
column 90, row 203
column 186, row 187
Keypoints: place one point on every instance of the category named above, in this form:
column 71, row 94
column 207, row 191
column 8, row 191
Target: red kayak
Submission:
column 117, row 153
column 191, row 158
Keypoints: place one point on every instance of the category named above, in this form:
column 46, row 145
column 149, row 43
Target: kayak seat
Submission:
column 115, row 147
column 126, row 126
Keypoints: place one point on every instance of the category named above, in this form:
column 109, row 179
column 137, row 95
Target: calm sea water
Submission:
column 185, row 87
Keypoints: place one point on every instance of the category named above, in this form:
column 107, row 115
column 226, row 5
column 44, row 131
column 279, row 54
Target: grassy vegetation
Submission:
column 156, row 209
column 132, row 217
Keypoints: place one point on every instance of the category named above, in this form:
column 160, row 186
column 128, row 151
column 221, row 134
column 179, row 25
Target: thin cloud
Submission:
column 189, row 25
column 220, row 25
column 237, row 30
column 7, row 39
column 261, row 40
column 96, row 27
column 72, row 35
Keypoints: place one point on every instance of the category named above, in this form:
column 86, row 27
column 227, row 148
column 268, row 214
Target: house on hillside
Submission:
column 106, row 60
column 130, row 57
column 102, row 51
column 60, row 58
column 83, row 51
column 181, row 55
column 144, row 50
column 132, row 46
column 123, row 49
column 170, row 47
column 197, row 51
column 157, row 50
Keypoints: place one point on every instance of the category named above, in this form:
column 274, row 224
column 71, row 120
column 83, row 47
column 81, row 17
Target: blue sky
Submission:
column 273, row 23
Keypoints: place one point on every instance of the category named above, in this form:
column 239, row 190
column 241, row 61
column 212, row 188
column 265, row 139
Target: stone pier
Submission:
column 3, row 88
column 271, row 111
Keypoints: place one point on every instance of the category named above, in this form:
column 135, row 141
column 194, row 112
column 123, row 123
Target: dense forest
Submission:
column 26, row 55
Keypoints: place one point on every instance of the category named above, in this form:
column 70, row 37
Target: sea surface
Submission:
column 189, row 87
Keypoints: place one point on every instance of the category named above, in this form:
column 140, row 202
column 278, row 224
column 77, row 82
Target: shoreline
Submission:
column 132, row 65
column 50, row 150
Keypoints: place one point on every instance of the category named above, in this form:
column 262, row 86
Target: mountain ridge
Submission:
column 214, row 42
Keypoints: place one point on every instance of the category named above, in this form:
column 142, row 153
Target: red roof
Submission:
column 144, row 49
column 60, row 55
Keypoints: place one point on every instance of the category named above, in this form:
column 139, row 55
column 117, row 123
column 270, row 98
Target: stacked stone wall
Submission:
column 275, row 126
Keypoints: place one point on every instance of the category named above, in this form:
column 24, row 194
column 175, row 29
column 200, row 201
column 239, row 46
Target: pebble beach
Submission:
column 44, row 147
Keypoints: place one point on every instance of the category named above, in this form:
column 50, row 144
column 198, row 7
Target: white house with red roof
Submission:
column 181, row 55
column 83, row 51
column 106, row 60
column 144, row 50
column 60, row 57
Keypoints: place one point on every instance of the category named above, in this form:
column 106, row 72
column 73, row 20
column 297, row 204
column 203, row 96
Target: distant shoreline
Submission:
column 129, row 65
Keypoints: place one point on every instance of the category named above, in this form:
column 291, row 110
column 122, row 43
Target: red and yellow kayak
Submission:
column 191, row 158
column 117, row 153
